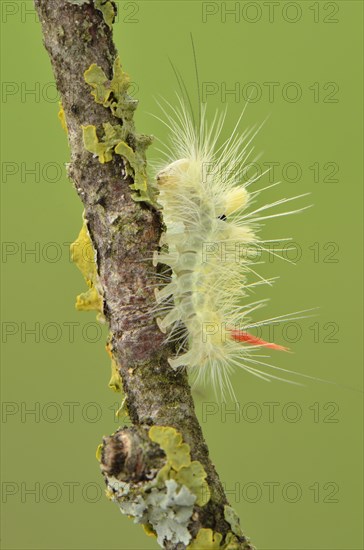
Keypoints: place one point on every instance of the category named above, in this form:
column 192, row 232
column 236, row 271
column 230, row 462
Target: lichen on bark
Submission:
column 124, row 233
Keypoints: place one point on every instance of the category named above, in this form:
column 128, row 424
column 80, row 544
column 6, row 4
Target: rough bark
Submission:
column 124, row 233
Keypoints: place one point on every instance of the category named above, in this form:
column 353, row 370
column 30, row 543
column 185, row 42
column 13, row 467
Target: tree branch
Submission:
column 124, row 232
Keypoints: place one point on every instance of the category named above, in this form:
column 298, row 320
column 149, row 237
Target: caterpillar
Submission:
column 209, row 232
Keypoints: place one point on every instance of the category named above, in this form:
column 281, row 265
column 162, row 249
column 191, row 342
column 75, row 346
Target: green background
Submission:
column 310, row 449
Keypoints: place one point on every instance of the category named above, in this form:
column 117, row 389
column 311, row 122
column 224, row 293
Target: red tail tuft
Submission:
column 242, row 336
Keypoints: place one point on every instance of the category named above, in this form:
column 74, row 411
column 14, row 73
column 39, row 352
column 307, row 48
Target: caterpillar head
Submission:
column 172, row 174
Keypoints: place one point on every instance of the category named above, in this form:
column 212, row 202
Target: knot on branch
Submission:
column 130, row 456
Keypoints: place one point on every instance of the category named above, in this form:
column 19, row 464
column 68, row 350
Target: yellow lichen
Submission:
column 113, row 95
column 194, row 477
column 99, row 452
column 107, row 9
column 83, row 255
column 138, row 165
column 123, row 409
column 109, row 494
column 62, row 118
column 179, row 465
column 148, row 530
column 89, row 301
column 93, row 145
column 178, row 453
column 206, row 539
column 232, row 543
column 115, row 382
column 102, row 149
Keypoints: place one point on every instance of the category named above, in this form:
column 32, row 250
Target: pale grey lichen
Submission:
column 233, row 519
column 167, row 509
column 169, row 512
